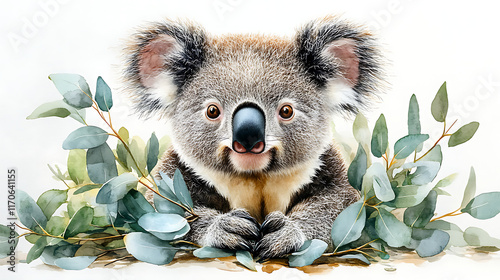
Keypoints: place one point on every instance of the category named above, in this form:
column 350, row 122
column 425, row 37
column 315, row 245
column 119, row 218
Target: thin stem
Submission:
column 445, row 133
column 451, row 214
column 162, row 196
column 351, row 250
column 119, row 259
column 45, row 233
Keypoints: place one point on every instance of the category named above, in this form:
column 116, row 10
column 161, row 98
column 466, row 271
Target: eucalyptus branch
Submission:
column 451, row 214
column 189, row 210
column 445, row 133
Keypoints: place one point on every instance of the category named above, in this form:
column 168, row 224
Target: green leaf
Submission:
column 484, row 206
column 478, row 237
column 57, row 173
column 74, row 89
column 164, row 206
column 409, row 195
column 137, row 204
column 103, row 95
column 36, row 251
column 380, row 140
column 51, row 109
column 101, row 165
column 137, row 148
column 434, row 155
column 419, row 216
column 430, row 242
column 164, row 145
column 147, row 248
column 28, row 212
column 308, row 253
column 463, row 135
column 85, row 137
column 357, row 169
column 362, row 133
column 181, row 190
column 166, row 188
column 77, row 166
column 245, row 258
column 425, row 173
column 62, row 250
column 75, row 263
column 8, row 240
column 56, row 225
column 164, row 226
column 391, row 230
column 456, row 234
column 446, row 181
column 349, row 224
column 358, row 257
column 153, row 149
column 86, row 188
column 470, row 189
column 439, row 106
column 116, row 188
column 50, row 200
column 80, row 222
column 211, row 252
column 414, row 116
column 408, row 144
column 124, row 134
column 381, row 185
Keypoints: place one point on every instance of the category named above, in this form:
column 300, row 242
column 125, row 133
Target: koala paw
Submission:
column 235, row 230
column 280, row 236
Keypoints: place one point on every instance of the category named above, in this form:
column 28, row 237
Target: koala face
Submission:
column 251, row 104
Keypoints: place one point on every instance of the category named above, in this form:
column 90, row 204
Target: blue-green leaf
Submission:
column 28, row 212
column 434, row 155
column 414, row 116
column 408, row 144
column 463, row 135
column 137, row 204
column 101, row 166
column 153, row 149
column 439, row 106
column 50, row 109
column 357, row 169
column 358, row 257
column 425, row 173
column 429, row 242
column 86, row 188
column 349, row 224
column 245, row 258
column 470, row 189
column 211, row 252
column 74, row 89
column 391, row 230
column 380, row 140
column 484, row 206
column 7, row 235
column 409, row 195
column 419, row 216
column 103, row 95
column 308, row 253
column 75, row 263
column 85, row 137
column 36, row 251
column 147, row 248
column 456, row 234
column 478, row 237
column 50, row 200
column 381, row 184
column 181, row 190
column 164, row 226
column 80, row 222
column 116, row 188
column 62, row 250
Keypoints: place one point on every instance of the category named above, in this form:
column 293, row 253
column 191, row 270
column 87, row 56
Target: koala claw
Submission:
column 281, row 236
column 235, row 230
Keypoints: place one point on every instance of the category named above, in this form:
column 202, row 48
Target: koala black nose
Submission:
column 249, row 126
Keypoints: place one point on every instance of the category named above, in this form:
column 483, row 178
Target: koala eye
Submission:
column 286, row 112
column 213, row 112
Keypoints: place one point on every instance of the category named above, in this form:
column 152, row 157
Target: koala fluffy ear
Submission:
column 160, row 61
column 342, row 60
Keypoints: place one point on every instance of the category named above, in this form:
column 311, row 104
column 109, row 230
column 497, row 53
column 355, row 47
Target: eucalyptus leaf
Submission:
column 137, row 204
column 8, row 240
column 381, row 185
column 165, row 143
column 414, row 116
column 484, row 206
column 80, row 222
column 50, row 200
column 349, row 224
column 101, row 166
column 439, row 106
column 103, row 95
column 463, row 134
column 470, row 189
column 362, row 133
column 419, row 216
column 74, row 89
column 358, row 257
column 308, row 253
column 164, row 226
column 85, row 137
column 28, row 212
column 181, row 190
column 357, row 169
column 456, row 234
column 116, row 188
column 56, row 225
column 409, row 195
column 153, row 149
column 430, row 241
column 379, row 140
column 408, row 144
column 51, row 109
column 245, row 258
column 77, row 163
column 211, row 252
column 75, row 263
column 435, row 155
column 137, row 148
column 36, row 251
column 425, row 173
column 391, row 230
column 478, row 237
column 446, row 181
column 86, row 188
column 147, row 248
column 62, row 250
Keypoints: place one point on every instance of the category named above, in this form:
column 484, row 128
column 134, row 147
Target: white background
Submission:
column 426, row 42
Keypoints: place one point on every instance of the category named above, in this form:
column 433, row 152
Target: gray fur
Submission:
column 266, row 71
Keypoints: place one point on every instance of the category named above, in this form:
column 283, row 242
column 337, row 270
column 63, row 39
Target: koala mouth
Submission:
column 249, row 162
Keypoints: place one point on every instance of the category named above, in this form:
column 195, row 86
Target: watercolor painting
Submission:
column 279, row 140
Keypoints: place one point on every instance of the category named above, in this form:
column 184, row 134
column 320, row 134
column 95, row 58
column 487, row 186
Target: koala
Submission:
column 249, row 117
